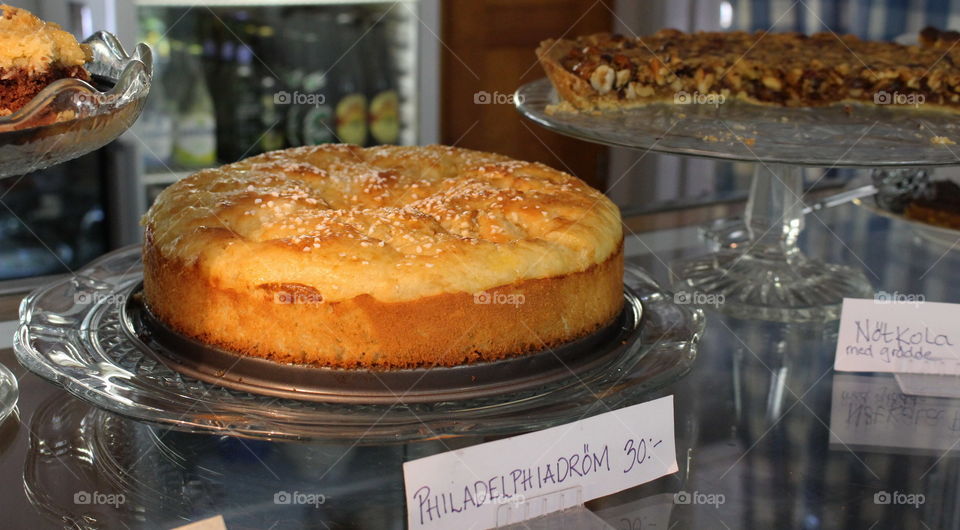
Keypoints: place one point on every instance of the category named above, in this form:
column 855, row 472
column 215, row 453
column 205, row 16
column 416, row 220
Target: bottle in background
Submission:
column 318, row 117
column 295, row 45
column 350, row 107
column 245, row 129
column 154, row 129
column 383, row 115
column 266, row 72
column 218, row 56
column 195, row 137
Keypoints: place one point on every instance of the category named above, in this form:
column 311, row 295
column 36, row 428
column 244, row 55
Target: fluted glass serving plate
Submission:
column 71, row 117
column 74, row 332
column 831, row 136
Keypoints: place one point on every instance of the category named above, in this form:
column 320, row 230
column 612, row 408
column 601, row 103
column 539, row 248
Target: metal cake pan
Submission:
column 225, row 368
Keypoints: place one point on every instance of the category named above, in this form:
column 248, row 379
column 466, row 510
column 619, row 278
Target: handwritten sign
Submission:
column 911, row 337
column 871, row 412
column 525, row 476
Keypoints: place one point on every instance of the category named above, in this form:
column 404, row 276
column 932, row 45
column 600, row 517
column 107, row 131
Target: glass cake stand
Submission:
column 74, row 332
column 766, row 276
column 71, row 117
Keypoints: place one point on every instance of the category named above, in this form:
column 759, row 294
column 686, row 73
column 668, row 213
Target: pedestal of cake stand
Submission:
column 767, row 276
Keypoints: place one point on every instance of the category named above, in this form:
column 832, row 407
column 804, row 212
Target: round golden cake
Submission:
column 386, row 257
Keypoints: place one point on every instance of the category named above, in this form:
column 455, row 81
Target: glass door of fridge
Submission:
column 234, row 79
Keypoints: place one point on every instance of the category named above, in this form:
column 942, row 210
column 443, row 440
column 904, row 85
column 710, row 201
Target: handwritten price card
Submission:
column 532, row 474
column 900, row 337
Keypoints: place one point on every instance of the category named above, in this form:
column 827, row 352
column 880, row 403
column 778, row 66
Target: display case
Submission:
column 112, row 415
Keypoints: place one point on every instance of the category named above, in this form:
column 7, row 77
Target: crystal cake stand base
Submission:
column 758, row 271
column 745, row 285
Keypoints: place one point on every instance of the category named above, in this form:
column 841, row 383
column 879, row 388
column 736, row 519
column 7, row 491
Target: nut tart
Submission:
column 605, row 71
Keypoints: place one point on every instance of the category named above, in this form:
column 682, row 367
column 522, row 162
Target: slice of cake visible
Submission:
column 942, row 208
column 785, row 69
column 33, row 54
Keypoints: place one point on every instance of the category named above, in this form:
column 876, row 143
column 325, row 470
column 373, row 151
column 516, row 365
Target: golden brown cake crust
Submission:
column 440, row 330
column 385, row 257
column 786, row 69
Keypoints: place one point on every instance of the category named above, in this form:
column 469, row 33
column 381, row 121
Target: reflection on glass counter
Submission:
column 872, row 413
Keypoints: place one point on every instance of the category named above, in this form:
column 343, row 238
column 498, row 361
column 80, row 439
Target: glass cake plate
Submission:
column 766, row 276
column 74, row 332
column 85, row 116
column 833, row 136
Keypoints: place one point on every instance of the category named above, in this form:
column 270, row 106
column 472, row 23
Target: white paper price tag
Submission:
column 902, row 337
column 533, row 474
